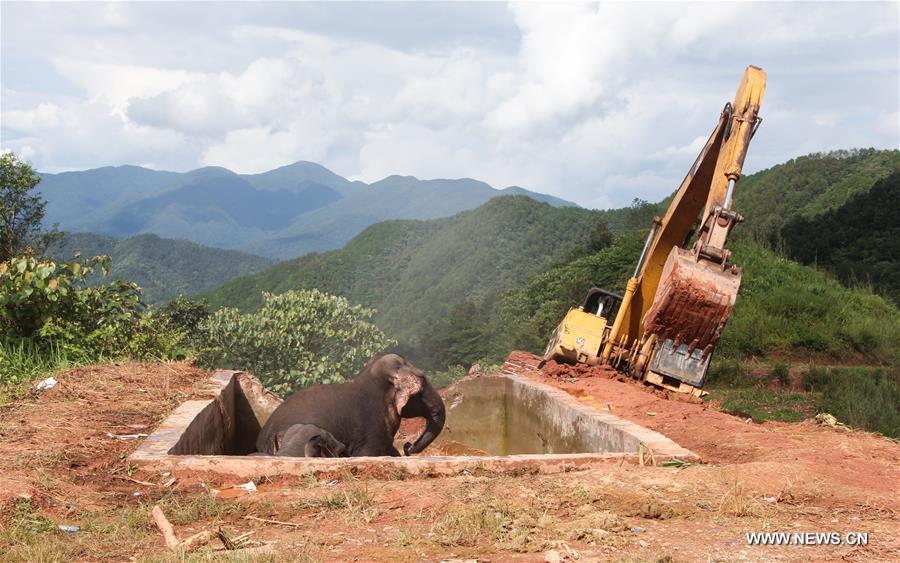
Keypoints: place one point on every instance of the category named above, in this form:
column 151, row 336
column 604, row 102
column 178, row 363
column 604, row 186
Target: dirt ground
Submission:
column 63, row 462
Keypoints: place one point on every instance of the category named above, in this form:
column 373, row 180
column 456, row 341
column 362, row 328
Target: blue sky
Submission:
column 595, row 103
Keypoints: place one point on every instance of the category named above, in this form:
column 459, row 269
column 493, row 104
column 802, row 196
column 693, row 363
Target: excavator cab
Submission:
column 581, row 334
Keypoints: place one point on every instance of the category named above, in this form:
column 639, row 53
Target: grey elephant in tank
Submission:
column 304, row 440
column 364, row 414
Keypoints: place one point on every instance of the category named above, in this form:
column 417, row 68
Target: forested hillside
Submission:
column 163, row 268
column 859, row 241
column 500, row 277
column 782, row 307
column 807, row 186
column 414, row 272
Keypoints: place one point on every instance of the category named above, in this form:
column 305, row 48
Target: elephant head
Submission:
column 307, row 440
column 411, row 396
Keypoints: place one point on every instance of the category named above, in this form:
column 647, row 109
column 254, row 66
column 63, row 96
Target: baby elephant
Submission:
column 306, row 440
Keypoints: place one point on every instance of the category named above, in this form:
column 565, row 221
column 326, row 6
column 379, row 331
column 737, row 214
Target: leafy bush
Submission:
column 48, row 318
column 447, row 377
column 297, row 338
column 185, row 314
column 859, row 396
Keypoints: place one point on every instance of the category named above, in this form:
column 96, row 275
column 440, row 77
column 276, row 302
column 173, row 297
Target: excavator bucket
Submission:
column 692, row 304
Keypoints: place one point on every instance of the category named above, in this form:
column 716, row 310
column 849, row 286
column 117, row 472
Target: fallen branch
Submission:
column 279, row 522
column 146, row 483
column 165, row 527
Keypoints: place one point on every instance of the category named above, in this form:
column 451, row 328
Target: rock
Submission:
column 552, row 556
column 651, row 510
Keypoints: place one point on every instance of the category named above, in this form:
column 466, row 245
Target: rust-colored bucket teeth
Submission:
column 692, row 303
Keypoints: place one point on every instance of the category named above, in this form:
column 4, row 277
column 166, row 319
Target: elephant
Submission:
column 364, row 413
column 304, row 440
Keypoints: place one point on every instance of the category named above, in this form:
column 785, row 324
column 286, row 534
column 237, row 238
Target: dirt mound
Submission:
column 563, row 370
column 79, row 432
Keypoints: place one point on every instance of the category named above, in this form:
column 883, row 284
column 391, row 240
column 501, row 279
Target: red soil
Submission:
column 61, row 449
column 854, row 464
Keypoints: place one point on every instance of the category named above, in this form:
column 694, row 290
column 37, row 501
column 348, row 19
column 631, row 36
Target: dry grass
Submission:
column 737, row 501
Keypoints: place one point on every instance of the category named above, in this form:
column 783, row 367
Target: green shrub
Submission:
column 24, row 361
column 447, row 377
column 781, row 374
column 295, row 339
column 727, row 373
column 48, row 319
column 859, row 396
column 185, row 314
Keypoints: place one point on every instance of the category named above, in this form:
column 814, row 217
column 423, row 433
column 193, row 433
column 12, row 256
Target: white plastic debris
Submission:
column 48, row 383
column 248, row 486
column 68, row 528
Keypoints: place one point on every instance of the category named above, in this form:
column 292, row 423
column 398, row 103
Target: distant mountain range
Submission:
column 283, row 213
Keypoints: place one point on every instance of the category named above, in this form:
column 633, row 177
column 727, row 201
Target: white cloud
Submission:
column 594, row 103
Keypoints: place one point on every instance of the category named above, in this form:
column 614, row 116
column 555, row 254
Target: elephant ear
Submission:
column 406, row 384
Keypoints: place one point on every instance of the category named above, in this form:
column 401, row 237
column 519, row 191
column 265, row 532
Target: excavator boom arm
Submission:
column 706, row 193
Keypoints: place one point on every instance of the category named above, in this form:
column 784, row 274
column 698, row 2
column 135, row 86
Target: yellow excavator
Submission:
column 683, row 290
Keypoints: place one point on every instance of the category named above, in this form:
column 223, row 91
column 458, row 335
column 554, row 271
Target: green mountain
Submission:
column 282, row 213
column 783, row 307
column 807, row 186
column 414, row 272
column 858, row 241
column 500, row 277
column 164, row 268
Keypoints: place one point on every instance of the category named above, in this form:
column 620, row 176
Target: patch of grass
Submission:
column 515, row 528
column 862, row 397
column 354, row 500
column 182, row 510
column 766, row 404
column 805, row 312
column 781, row 374
column 23, row 362
column 441, row 379
column 727, row 373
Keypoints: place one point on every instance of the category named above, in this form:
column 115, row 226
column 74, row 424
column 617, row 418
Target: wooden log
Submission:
column 165, row 527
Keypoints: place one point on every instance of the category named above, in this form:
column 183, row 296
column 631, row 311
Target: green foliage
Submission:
column 24, row 361
column 807, row 186
column 805, row 313
column 858, row 242
column 35, row 292
column 859, row 396
column 766, row 404
column 21, row 212
column 48, row 319
column 781, row 374
column 447, row 377
column 415, row 272
column 184, row 314
column 164, row 268
column 295, row 339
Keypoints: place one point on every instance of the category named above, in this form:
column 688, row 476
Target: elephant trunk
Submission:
column 433, row 425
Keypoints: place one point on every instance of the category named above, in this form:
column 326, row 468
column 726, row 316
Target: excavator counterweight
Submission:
column 683, row 290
